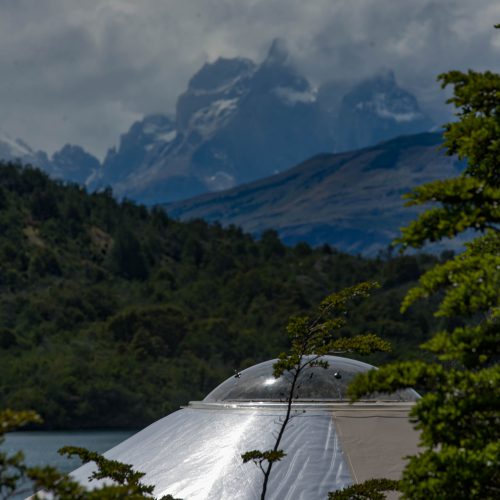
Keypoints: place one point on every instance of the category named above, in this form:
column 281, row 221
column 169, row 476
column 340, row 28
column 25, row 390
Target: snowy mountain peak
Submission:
column 277, row 76
column 220, row 75
column 73, row 163
column 213, row 92
column 17, row 150
column 142, row 140
column 382, row 96
column 13, row 149
column 238, row 121
column 377, row 109
column 278, row 53
column 401, row 110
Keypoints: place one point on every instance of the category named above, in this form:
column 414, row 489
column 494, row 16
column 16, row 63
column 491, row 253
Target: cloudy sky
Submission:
column 81, row 71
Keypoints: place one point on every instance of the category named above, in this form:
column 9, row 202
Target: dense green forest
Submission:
column 112, row 314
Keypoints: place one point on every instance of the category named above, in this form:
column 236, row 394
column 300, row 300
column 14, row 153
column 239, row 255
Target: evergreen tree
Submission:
column 458, row 416
column 128, row 256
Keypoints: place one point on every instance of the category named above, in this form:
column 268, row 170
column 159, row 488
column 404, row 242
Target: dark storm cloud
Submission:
column 82, row 71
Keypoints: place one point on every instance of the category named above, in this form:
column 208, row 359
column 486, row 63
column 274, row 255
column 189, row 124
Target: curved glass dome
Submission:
column 257, row 383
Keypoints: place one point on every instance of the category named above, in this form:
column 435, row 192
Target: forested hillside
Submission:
column 112, row 315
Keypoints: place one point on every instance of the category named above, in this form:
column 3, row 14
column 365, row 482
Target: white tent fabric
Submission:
column 195, row 453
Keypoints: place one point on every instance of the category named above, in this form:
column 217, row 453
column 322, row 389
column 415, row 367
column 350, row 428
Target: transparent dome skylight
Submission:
column 257, row 383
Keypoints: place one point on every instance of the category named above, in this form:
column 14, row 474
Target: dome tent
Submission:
column 195, row 452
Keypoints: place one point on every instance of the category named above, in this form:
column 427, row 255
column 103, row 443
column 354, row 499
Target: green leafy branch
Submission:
column 311, row 339
column 469, row 280
column 125, row 481
column 260, row 457
column 373, row 489
column 13, row 470
column 466, row 203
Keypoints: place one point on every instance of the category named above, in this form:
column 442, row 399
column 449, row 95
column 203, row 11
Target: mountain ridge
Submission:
column 238, row 121
column 350, row 200
column 71, row 163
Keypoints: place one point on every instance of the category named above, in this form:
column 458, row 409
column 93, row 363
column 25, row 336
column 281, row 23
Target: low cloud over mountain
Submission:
column 239, row 121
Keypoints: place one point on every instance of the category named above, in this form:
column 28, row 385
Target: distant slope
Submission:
column 350, row 200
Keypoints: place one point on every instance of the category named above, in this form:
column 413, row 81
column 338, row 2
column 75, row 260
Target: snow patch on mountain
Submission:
column 398, row 117
column 210, row 118
column 293, row 96
column 11, row 148
column 226, row 87
column 220, row 181
column 168, row 136
column 383, row 105
column 221, row 75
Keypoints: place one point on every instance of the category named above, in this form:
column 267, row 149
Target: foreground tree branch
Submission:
column 458, row 415
column 311, row 339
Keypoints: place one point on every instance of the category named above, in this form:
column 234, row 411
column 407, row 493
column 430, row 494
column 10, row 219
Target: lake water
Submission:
column 40, row 448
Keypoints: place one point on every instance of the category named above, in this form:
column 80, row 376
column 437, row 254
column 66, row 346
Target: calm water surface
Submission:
column 40, row 448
